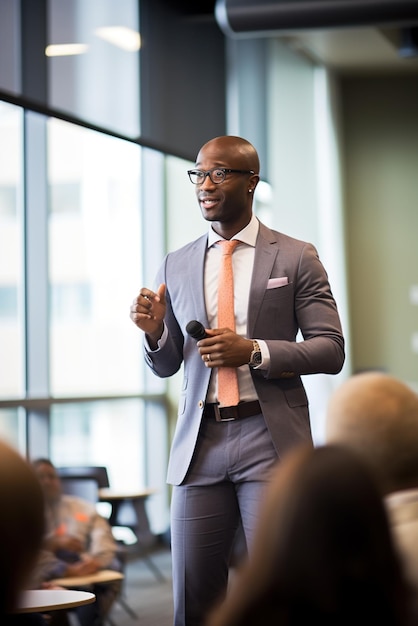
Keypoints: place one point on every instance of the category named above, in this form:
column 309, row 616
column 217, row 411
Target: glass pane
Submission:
column 12, row 429
column 97, row 77
column 86, row 433
column 182, row 205
column 11, row 253
column 94, row 262
column 115, row 434
column 102, row 433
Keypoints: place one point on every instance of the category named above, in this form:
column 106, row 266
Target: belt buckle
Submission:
column 218, row 417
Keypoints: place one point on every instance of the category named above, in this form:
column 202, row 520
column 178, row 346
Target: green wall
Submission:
column 380, row 139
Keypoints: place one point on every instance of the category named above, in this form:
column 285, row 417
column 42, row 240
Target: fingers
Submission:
column 148, row 310
column 143, row 303
column 161, row 293
column 210, row 359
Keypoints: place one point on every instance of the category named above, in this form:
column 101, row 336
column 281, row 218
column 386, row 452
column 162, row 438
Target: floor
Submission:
column 149, row 596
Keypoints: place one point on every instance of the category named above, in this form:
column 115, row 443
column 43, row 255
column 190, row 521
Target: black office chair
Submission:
column 97, row 472
column 85, row 488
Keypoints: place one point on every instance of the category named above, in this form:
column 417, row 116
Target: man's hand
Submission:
column 224, row 348
column 148, row 312
column 88, row 565
column 64, row 542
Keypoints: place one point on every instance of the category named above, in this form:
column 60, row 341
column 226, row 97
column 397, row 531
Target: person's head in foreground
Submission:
column 376, row 415
column 21, row 525
column 323, row 552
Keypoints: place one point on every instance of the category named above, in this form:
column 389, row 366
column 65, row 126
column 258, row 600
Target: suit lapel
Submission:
column 266, row 250
column 196, row 260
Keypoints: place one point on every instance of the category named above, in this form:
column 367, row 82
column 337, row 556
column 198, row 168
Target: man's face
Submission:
column 226, row 202
column 50, row 481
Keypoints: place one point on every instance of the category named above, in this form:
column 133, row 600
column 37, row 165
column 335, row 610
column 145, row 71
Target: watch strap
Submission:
column 255, row 357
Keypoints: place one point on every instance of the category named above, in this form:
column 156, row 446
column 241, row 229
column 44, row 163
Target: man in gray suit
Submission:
column 221, row 457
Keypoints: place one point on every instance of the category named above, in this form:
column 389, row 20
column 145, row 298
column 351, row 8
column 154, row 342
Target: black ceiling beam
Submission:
column 244, row 17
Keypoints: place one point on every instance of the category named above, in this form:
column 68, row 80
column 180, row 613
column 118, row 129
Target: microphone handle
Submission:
column 196, row 330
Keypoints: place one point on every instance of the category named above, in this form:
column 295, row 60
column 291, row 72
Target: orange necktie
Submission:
column 228, row 391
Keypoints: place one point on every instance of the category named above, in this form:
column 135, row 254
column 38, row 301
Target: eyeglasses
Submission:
column 217, row 175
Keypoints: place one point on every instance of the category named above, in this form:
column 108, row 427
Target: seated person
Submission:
column 77, row 542
column 376, row 415
column 21, row 532
column 322, row 553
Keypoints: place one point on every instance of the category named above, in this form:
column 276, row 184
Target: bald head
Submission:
column 239, row 152
column 377, row 415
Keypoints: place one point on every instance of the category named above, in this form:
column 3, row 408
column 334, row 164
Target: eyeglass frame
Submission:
column 225, row 170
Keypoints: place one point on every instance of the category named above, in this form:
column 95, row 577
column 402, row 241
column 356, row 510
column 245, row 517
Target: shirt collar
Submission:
column 247, row 235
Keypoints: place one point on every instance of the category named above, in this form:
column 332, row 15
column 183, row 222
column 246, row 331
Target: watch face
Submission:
column 255, row 358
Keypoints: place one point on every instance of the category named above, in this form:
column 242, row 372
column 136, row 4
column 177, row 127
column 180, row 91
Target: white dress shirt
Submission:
column 242, row 263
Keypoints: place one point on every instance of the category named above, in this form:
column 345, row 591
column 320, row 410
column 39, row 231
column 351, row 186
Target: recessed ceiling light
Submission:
column 65, row 49
column 121, row 36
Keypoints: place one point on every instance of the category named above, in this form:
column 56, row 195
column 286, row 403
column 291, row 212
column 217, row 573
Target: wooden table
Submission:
column 140, row 524
column 87, row 582
column 102, row 576
column 135, row 500
column 40, row 600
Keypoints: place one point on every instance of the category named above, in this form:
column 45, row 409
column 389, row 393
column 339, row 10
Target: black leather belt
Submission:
column 230, row 413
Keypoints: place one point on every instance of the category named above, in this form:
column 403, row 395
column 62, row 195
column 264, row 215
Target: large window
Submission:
column 129, row 437
column 12, row 422
column 95, row 433
column 11, row 253
column 94, row 261
column 72, row 379
column 83, row 225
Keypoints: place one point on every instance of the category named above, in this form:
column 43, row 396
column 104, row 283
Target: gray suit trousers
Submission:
column 226, row 482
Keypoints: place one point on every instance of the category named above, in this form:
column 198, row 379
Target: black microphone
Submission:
column 196, row 330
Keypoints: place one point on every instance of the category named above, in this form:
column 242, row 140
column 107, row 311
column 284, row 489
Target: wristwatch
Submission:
column 255, row 358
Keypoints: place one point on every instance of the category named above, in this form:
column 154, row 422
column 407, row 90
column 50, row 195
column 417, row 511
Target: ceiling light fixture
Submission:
column 65, row 49
column 120, row 36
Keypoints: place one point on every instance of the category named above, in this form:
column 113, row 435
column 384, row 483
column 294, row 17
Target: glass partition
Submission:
column 12, row 427
column 128, row 437
column 11, row 253
column 95, row 433
column 94, row 261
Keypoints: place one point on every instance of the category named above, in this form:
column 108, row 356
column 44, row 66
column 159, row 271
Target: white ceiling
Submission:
column 354, row 50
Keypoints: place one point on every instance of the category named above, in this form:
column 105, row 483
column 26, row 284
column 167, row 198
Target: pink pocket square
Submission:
column 277, row 282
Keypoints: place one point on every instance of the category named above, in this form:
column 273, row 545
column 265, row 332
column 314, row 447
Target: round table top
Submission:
column 38, row 600
column 106, row 494
column 102, row 576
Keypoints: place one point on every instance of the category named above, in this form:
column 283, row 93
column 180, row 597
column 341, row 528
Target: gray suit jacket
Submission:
column 274, row 315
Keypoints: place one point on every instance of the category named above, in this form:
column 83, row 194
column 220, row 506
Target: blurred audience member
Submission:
column 78, row 542
column 376, row 415
column 21, row 532
column 323, row 551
